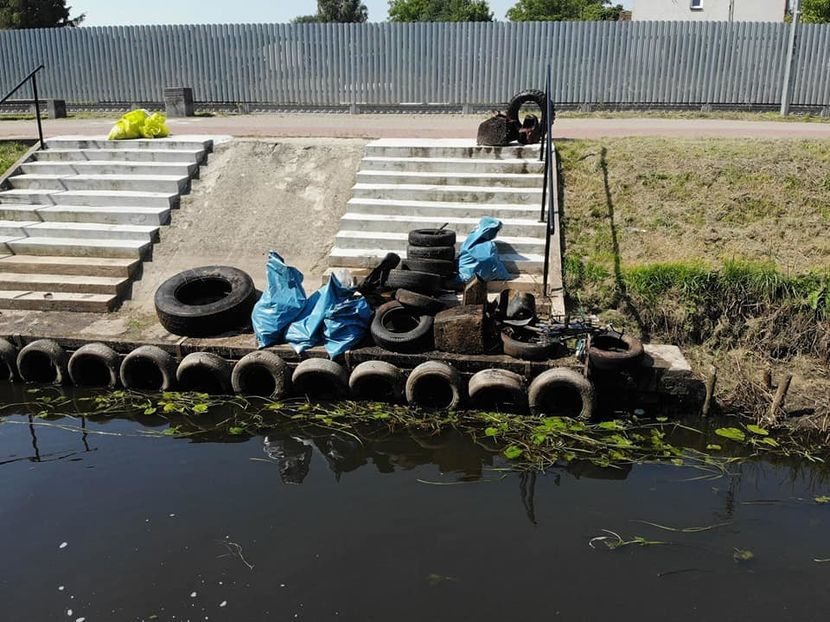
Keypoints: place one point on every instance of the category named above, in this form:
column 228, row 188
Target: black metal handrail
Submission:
column 33, row 77
column 546, row 154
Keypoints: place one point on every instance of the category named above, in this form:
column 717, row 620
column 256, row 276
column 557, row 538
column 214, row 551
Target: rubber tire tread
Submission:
column 209, row 319
column 421, row 282
column 447, row 253
column 432, row 237
column 431, row 266
column 531, row 95
column 417, row 339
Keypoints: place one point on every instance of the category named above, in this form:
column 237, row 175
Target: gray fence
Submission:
column 604, row 63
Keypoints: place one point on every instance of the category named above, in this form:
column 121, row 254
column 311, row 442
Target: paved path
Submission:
column 427, row 126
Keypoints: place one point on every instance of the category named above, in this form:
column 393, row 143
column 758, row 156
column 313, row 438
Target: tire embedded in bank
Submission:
column 43, row 361
column 562, row 392
column 398, row 329
column 261, row 373
column 320, row 379
column 434, row 385
column 148, row 368
column 204, row 372
column 94, row 365
column 499, row 388
column 205, row 301
column 377, row 381
column 8, row 361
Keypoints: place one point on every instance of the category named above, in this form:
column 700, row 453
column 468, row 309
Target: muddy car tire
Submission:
column 148, row 368
column 261, row 373
column 447, row 253
column 398, row 329
column 538, row 98
column 525, row 351
column 320, row 379
column 43, row 361
column 421, row 282
column 432, row 237
column 550, row 388
column 612, row 352
column 204, row 372
column 8, row 361
column 378, row 381
column 497, row 387
column 205, row 301
column 440, row 267
column 94, row 365
column 434, row 385
column 419, row 302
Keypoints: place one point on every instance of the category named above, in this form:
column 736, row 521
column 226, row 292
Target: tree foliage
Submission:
column 564, row 10
column 440, row 11
column 15, row 14
column 815, row 11
column 342, row 11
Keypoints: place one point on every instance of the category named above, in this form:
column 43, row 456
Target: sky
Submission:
column 145, row 12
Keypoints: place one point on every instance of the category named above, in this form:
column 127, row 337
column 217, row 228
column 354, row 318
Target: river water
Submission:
column 104, row 522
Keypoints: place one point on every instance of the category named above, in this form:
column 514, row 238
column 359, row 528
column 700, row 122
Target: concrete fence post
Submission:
column 178, row 102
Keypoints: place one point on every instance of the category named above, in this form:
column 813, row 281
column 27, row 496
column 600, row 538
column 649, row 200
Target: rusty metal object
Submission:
column 461, row 330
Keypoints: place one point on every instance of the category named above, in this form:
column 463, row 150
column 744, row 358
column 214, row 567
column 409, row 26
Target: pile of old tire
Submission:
column 405, row 324
column 206, row 301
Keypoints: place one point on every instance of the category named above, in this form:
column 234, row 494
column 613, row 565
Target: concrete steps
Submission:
column 80, row 216
column 412, row 184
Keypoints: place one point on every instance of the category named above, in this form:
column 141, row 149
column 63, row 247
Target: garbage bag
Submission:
column 479, row 254
column 281, row 303
column 155, row 126
column 345, row 325
column 129, row 126
column 307, row 330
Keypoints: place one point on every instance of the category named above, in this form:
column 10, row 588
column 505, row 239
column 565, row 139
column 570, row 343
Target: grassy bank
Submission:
column 717, row 245
column 10, row 152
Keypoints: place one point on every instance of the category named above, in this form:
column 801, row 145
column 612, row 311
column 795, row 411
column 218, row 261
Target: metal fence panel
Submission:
column 622, row 63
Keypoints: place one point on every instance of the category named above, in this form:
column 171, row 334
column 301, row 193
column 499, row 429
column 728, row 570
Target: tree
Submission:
column 564, row 10
column 342, row 11
column 815, row 11
column 439, row 11
column 16, row 14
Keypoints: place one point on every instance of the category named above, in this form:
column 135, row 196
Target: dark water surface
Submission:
column 328, row 527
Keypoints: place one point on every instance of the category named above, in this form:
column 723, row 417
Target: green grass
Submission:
column 10, row 152
column 733, row 115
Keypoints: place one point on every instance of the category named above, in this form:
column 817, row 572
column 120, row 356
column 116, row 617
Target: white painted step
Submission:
column 473, row 194
column 111, row 167
column 62, row 283
column 156, row 144
column 19, row 212
column 480, row 180
column 15, row 228
column 57, row 301
column 90, row 198
column 155, row 216
column 4, row 243
column 462, row 226
column 95, row 231
column 133, row 183
column 79, row 247
column 185, row 156
column 397, row 242
column 443, row 210
column 84, row 266
column 447, row 148
column 368, row 257
column 457, row 165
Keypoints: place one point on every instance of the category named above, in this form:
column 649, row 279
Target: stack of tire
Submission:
column 405, row 324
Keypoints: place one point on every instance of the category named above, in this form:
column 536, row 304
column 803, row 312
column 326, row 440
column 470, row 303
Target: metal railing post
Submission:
column 37, row 110
column 547, row 195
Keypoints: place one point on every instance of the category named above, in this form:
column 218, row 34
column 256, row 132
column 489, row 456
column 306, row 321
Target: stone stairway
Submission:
column 79, row 217
column 411, row 184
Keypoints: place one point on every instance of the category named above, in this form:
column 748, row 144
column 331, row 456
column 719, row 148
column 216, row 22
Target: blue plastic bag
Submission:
column 307, row 330
column 479, row 254
column 345, row 325
column 281, row 303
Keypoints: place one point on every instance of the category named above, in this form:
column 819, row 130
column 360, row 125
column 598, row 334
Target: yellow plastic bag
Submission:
column 155, row 126
column 139, row 123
